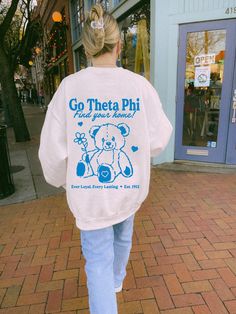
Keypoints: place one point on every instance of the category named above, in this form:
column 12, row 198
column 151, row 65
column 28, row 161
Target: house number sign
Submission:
column 230, row 10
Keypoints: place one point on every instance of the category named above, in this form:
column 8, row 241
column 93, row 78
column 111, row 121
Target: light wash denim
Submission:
column 106, row 252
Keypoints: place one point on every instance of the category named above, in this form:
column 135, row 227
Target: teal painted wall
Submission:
column 165, row 19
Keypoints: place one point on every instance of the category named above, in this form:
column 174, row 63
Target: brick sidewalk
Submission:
column 183, row 258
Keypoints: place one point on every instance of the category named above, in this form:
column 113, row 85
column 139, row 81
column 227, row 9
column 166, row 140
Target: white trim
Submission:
column 152, row 40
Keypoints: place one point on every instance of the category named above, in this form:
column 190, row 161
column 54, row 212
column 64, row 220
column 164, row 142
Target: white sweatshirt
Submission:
column 102, row 126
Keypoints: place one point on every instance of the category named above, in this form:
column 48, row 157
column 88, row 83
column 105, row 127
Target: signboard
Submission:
column 205, row 59
column 202, row 76
column 197, row 152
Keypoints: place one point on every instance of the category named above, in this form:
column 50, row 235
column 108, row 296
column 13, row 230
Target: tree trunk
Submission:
column 11, row 97
column 6, row 113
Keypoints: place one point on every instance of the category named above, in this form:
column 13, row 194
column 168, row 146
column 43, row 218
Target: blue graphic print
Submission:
column 108, row 160
column 134, row 148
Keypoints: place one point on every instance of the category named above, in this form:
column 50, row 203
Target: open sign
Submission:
column 205, row 59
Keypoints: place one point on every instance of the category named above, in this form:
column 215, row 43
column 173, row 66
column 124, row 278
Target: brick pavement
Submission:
column 183, row 258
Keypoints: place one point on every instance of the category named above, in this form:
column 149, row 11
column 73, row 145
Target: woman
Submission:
column 101, row 128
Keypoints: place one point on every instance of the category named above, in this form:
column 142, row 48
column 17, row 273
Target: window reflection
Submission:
column 203, row 85
column 80, row 58
column 135, row 33
column 77, row 18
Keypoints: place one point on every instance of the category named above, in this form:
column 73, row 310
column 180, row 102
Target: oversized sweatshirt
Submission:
column 101, row 129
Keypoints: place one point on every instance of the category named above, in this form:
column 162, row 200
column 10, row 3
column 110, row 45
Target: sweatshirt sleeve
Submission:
column 53, row 140
column 160, row 128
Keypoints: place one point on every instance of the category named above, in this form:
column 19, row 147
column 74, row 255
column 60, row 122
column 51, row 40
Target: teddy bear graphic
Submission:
column 107, row 161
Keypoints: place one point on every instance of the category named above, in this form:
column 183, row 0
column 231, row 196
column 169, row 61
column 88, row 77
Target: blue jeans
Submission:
column 106, row 252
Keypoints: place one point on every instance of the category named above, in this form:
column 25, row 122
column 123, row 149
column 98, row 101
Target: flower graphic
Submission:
column 80, row 138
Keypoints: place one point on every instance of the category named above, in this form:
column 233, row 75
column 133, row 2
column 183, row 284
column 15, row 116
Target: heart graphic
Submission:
column 134, row 148
column 105, row 173
column 80, row 123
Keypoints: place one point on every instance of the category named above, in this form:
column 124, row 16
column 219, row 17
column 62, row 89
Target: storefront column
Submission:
column 163, row 75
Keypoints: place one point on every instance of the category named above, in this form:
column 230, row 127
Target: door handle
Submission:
column 234, row 107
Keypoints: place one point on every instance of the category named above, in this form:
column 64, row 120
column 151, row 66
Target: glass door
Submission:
column 205, row 80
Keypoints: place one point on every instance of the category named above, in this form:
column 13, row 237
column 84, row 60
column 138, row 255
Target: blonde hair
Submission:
column 99, row 40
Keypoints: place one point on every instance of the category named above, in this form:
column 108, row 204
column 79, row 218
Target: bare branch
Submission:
column 24, row 27
column 28, row 10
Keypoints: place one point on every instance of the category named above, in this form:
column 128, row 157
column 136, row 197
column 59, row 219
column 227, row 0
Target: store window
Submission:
column 80, row 58
column 105, row 3
column 135, row 32
column 63, row 68
column 56, row 46
column 54, row 76
column 116, row 2
column 78, row 18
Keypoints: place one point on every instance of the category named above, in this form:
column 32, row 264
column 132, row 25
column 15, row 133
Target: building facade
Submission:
column 194, row 72
column 55, row 60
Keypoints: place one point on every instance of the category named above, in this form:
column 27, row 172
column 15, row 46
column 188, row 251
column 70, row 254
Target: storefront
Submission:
column 55, row 75
column 195, row 75
column 56, row 57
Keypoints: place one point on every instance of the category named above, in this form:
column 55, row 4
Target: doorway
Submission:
column 206, row 92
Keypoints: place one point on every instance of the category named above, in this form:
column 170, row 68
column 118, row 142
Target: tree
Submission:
column 199, row 43
column 19, row 32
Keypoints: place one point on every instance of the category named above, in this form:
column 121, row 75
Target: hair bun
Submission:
column 100, row 32
column 96, row 12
